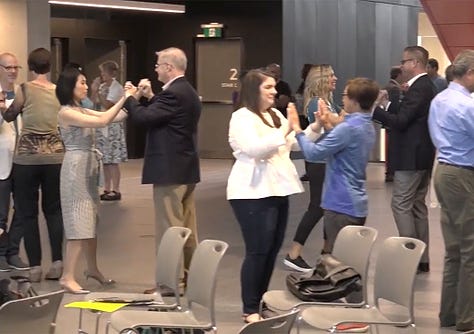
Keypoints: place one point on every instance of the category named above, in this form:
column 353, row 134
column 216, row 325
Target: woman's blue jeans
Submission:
column 263, row 224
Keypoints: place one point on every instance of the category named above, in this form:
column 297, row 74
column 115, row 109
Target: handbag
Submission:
column 329, row 281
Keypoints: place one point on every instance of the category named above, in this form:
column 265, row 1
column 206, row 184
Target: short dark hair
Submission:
column 448, row 73
column 363, row 90
column 419, row 52
column 66, row 84
column 433, row 63
column 395, row 72
column 39, row 61
column 250, row 94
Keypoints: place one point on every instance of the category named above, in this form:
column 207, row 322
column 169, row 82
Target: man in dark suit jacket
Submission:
column 414, row 152
column 171, row 161
column 394, row 90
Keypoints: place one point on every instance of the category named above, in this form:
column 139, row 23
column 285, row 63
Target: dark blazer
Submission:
column 412, row 146
column 171, row 153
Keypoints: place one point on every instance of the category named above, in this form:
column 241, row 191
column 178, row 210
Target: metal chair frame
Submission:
column 353, row 246
column 200, row 291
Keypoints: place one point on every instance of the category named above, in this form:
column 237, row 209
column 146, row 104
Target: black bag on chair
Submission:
column 330, row 280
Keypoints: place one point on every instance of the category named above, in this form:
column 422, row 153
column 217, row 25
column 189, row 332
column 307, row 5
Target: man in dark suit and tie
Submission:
column 171, row 161
column 414, row 152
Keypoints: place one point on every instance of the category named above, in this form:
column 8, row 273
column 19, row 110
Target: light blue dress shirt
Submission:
column 347, row 148
column 451, row 125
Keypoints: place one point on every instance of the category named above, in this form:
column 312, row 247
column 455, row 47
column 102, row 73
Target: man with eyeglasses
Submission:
column 451, row 125
column 413, row 152
column 9, row 241
column 171, row 161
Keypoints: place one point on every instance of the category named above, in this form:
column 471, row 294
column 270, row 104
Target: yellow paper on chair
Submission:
column 97, row 306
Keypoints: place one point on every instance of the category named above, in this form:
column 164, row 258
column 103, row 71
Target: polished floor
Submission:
column 126, row 234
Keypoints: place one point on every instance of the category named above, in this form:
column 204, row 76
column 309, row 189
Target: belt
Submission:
column 471, row 168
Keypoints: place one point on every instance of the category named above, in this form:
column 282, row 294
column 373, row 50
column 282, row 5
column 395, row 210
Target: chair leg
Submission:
column 79, row 330
column 299, row 318
column 97, row 320
column 260, row 308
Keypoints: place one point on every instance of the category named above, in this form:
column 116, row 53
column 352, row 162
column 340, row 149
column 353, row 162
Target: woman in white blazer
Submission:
column 262, row 178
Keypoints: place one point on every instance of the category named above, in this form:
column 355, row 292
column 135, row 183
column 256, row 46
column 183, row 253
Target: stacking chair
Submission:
column 168, row 268
column 30, row 315
column 281, row 324
column 395, row 272
column 200, row 292
column 352, row 246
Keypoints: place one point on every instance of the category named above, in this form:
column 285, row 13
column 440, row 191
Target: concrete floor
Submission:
column 126, row 246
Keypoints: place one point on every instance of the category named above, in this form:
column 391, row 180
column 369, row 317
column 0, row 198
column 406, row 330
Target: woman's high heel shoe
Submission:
column 100, row 280
column 68, row 289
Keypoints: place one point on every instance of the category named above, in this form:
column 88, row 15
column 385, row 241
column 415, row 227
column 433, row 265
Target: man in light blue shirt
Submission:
column 346, row 148
column 451, row 125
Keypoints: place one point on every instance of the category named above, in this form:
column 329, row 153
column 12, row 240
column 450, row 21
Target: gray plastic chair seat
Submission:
column 168, row 264
column 352, row 246
column 325, row 317
column 200, row 291
column 132, row 319
column 281, row 324
column 395, row 272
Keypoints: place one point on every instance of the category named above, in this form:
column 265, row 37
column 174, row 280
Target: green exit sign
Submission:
column 212, row 29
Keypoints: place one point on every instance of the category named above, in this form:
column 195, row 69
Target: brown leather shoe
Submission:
column 163, row 290
column 151, row 291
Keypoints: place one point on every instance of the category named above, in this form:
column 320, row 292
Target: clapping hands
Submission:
column 293, row 118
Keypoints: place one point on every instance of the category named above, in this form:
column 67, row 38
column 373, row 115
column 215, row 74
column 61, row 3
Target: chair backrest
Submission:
column 202, row 274
column 395, row 271
column 281, row 324
column 30, row 315
column 353, row 246
column 169, row 257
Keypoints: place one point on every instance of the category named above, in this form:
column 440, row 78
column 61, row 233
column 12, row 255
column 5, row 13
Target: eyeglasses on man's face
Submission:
column 403, row 61
column 11, row 68
column 158, row 64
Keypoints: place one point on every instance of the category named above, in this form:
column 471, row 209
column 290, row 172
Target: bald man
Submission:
column 9, row 238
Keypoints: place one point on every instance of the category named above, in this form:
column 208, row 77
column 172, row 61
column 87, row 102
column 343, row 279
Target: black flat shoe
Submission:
column 104, row 195
column 423, row 267
column 111, row 196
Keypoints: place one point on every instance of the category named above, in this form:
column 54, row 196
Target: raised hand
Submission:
column 144, row 87
column 293, row 118
column 323, row 113
column 130, row 90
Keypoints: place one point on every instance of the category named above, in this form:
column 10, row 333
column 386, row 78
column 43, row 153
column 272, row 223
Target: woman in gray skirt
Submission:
column 80, row 175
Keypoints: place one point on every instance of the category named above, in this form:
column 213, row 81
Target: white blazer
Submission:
column 7, row 144
column 263, row 167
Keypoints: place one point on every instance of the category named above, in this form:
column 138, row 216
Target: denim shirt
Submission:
column 346, row 149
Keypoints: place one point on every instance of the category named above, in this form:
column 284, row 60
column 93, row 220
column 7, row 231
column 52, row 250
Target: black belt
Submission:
column 471, row 168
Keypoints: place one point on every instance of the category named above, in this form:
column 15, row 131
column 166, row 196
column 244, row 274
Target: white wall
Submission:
column 13, row 31
column 24, row 26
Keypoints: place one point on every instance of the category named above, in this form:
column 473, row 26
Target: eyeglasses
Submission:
column 343, row 94
column 403, row 61
column 158, row 65
column 11, row 68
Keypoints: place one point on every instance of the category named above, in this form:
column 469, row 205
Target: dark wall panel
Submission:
column 258, row 23
column 358, row 37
